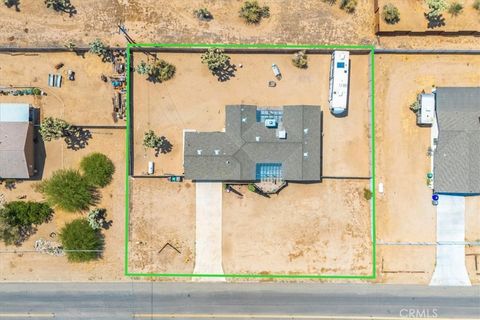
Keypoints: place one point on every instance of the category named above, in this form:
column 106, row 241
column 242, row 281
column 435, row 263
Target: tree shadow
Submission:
column 13, row 3
column 164, row 147
column 435, row 22
column 66, row 7
column 77, row 138
column 225, row 73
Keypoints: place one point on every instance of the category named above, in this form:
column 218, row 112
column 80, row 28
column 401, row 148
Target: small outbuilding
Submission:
column 426, row 113
column 16, row 141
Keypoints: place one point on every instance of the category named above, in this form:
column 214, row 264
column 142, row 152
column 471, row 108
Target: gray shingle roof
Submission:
column 457, row 155
column 16, row 150
column 233, row 155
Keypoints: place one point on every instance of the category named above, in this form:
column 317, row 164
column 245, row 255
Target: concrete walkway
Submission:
column 450, row 267
column 208, row 244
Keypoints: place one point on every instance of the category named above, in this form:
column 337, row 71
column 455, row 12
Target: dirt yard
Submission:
column 404, row 211
column 162, row 226
column 168, row 110
column 86, row 101
column 320, row 228
column 412, row 17
column 340, row 242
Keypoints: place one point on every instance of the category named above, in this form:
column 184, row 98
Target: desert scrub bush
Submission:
column 455, row 8
column 158, row 71
column 367, row 194
column 203, row 14
column 435, row 7
column 80, row 241
column 476, row 5
column 151, row 140
column 53, row 129
column 68, row 190
column 300, row 59
column 97, row 169
column 96, row 218
column 215, row 59
column 415, row 106
column 253, row 13
column 390, row 13
column 348, row 5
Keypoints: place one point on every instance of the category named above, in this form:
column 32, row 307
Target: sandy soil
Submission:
column 412, row 17
column 85, row 101
column 304, row 21
column 166, row 109
column 309, row 229
column 404, row 211
column 161, row 212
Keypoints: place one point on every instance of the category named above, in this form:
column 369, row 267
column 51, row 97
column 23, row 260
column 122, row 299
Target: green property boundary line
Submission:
column 371, row 276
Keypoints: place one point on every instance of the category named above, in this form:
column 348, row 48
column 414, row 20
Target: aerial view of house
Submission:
column 314, row 158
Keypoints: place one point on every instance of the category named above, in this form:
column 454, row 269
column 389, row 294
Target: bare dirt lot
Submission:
column 87, row 100
column 322, row 228
column 404, row 211
column 256, row 239
column 162, row 226
column 161, row 21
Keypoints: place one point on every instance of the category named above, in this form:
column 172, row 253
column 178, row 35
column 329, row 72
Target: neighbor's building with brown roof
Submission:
column 16, row 141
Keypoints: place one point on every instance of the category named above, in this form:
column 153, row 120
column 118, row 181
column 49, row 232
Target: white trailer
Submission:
column 339, row 82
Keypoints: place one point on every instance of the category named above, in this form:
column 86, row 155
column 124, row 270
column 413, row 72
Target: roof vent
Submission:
column 257, row 139
column 305, row 131
column 199, row 152
column 217, row 152
column 305, row 154
column 282, row 134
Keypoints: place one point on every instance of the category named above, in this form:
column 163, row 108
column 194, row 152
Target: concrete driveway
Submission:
column 208, row 243
column 450, row 267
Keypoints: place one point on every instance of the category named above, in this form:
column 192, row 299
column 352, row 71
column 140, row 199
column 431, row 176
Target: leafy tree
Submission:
column 26, row 213
column 53, row 129
column 299, row 60
column 436, row 7
column 80, row 241
column 215, row 59
column 391, row 14
column 161, row 71
column 143, row 68
column 253, row 13
column 476, row 5
column 151, row 140
column 18, row 217
column 455, row 8
column 348, row 5
column 68, row 190
column 203, row 14
column 97, row 169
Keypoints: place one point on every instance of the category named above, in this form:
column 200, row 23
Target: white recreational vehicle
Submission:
column 339, row 80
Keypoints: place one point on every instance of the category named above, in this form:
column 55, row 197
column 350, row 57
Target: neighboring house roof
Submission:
column 16, row 141
column 457, row 155
column 234, row 154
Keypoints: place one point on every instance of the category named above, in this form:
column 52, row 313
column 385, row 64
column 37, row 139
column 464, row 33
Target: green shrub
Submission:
column 435, row 7
column 26, row 213
column 161, row 71
column 251, row 187
column 348, row 5
column 455, row 8
column 476, row 5
column 252, row 13
column 300, row 60
column 53, row 129
column 215, row 59
column 8, row 233
column 36, row 91
column 203, row 14
column 80, row 241
column 367, row 194
column 415, row 106
column 68, row 190
column 390, row 14
column 97, row 169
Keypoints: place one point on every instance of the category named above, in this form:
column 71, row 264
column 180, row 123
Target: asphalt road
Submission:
column 157, row 300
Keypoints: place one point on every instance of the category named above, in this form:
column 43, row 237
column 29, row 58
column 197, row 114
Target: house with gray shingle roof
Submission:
column 16, row 141
column 281, row 143
column 457, row 153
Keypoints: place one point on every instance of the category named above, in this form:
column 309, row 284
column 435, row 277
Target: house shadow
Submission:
column 39, row 147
